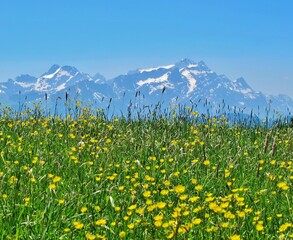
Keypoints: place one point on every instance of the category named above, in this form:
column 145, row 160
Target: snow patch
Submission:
column 156, row 68
column 161, row 79
column 51, row 75
column 25, row 85
column 160, row 87
column 191, row 80
column 60, row 87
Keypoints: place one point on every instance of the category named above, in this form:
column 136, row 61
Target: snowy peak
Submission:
column 52, row 70
column 185, row 63
column 58, row 78
column 181, row 83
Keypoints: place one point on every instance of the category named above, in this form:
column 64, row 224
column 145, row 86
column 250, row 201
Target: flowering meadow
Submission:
column 89, row 177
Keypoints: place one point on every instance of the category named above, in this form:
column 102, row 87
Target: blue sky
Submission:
column 253, row 39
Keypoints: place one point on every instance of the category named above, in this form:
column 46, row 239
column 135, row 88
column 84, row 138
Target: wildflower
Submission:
column 52, row 186
column 235, row 237
column 229, row 215
column 56, row 179
column 158, row 217
column 161, row 205
column 90, row 236
column 139, row 211
column 132, row 207
column 283, row 186
column 98, row 208
column 83, row 209
column 225, row 224
column 193, row 199
column 146, row 194
column 196, row 221
column 122, row 234
column 259, row 227
column 78, row 225
column 164, row 192
column 198, row 187
column 179, row 189
column 130, row 226
column 284, row 227
column 206, row 162
column 101, row 222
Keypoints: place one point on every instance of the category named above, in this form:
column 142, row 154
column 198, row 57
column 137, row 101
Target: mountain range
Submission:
column 185, row 82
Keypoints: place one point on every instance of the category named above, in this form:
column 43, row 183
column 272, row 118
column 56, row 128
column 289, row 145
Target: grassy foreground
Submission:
column 92, row 178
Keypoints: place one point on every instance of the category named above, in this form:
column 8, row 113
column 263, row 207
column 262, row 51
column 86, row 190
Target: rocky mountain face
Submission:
column 185, row 82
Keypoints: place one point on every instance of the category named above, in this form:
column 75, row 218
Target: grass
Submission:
column 151, row 178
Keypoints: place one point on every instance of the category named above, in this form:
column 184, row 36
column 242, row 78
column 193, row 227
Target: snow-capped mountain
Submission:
column 185, row 82
column 188, row 81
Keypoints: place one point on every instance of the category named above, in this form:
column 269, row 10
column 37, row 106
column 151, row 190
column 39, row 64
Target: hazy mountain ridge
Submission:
column 184, row 82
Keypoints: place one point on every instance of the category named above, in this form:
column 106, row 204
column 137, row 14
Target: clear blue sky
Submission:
column 251, row 38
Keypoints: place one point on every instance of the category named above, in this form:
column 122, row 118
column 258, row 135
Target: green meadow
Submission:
column 89, row 177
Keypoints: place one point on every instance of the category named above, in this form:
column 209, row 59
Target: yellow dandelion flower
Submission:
column 161, row 205
column 146, row 194
column 259, row 227
column 235, row 237
column 139, row 211
column 198, row 187
column 164, row 192
column 90, row 236
column 225, row 225
column 179, row 189
column 285, row 226
column 131, row 225
column 196, row 221
column 122, row 234
column 183, row 197
column 83, row 209
column 101, row 222
column 132, row 207
column 78, row 225
column 206, row 162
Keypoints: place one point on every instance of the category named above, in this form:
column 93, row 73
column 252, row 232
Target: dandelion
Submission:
column 235, row 237
column 132, row 207
column 146, row 194
column 161, row 205
column 179, row 189
column 284, row 227
column 283, row 186
column 122, row 234
column 196, row 221
column 131, row 225
column 52, row 186
column 56, row 179
column 259, row 227
column 101, row 222
column 225, row 225
column 164, row 192
column 78, row 225
column 90, row 236
column 83, row 209
column 198, row 187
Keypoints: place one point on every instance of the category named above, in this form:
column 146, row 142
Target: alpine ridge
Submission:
column 185, row 82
